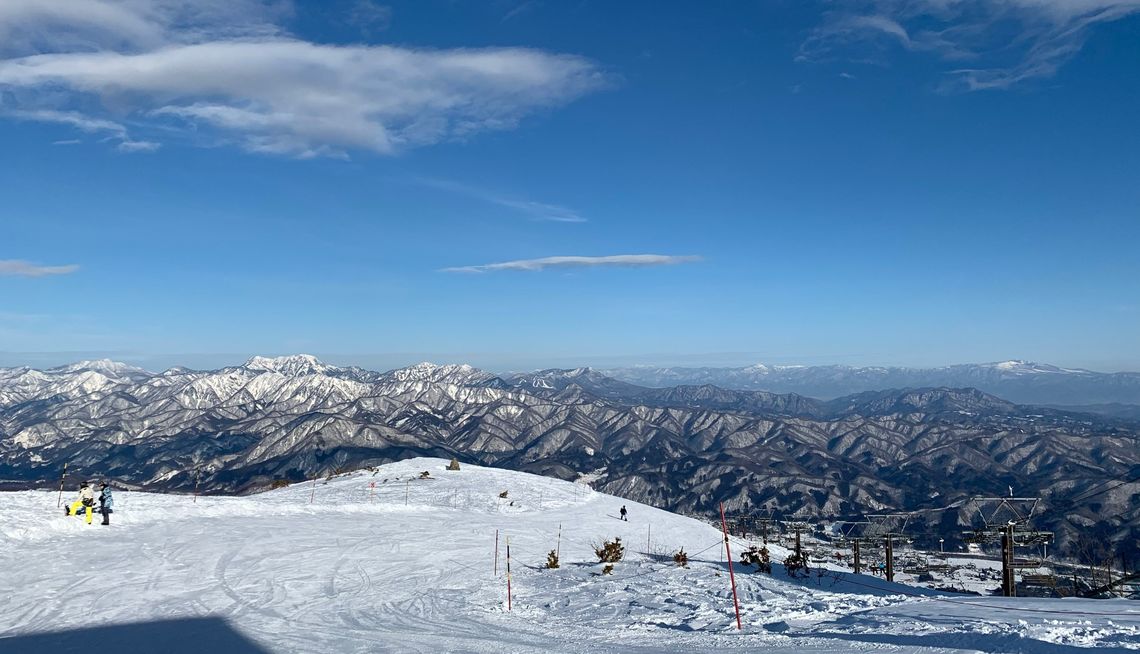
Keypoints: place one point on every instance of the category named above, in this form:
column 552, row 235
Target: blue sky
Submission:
column 530, row 184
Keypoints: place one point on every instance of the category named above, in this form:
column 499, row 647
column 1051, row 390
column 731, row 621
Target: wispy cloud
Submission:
column 629, row 260
column 138, row 146
column 74, row 119
column 225, row 70
column 18, row 268
column 536, row 210
column 370, row 17
column 1005, row 42
column 114, row 131
column 521, row 8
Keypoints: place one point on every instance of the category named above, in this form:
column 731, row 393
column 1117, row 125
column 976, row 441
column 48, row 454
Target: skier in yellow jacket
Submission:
column 86, row 499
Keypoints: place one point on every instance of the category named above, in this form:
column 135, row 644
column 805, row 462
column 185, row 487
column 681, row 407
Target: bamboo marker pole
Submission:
column 558, row 545
column 313, row 495
column 62, row 477
column 731, row 577
column 508, row 573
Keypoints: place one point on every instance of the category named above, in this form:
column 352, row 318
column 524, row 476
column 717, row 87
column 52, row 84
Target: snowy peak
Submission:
column 458, row 374
column 1018, row 367
column 295, row 365
column 1024, row 382
column 586, row 379
column 106, row 367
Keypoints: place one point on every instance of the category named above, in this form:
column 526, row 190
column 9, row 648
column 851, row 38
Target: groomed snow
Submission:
column 358, row 570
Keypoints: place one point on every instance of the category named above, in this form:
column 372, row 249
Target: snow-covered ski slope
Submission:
column 409, row 567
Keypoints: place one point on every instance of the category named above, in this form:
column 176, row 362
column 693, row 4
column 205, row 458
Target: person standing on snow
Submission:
column 86, row 499
column 623, row 513
column 106, row 501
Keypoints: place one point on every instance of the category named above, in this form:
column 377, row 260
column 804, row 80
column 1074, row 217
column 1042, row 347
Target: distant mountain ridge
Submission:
column 1023, row 382
column 686, row 448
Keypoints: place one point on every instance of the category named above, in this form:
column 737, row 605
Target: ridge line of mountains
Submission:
column 682, row 447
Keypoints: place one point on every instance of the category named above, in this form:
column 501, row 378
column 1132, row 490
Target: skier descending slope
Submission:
column 86, row 499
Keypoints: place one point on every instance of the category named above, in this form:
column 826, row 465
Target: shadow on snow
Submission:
column 176, row 636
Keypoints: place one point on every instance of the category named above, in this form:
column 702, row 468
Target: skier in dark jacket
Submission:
column 106, row 502
column 623, row 513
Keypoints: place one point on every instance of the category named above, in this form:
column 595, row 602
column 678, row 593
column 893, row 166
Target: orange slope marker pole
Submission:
column 731, row 576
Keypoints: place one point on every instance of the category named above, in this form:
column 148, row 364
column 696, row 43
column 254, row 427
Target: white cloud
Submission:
column 18, row 268
column 116, row 132
column 1006, row 42
column 536, row 210
column 138, row 146
column 160, row 66
column 633, row 260
column 72, row 118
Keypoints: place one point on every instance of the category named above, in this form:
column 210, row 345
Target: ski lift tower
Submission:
column 765, row 521
column 885, row 528
column 1006, row 520
column 797, row 526
column 853, row 535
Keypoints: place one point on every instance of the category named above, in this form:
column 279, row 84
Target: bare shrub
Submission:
column 759, row 557
column 610, row 551
column 796, row 565
column 681, row 558
column 552, row 560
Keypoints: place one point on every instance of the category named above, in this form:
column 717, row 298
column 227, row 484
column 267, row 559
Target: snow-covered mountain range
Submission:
column 1024, row 382
column 684, row 448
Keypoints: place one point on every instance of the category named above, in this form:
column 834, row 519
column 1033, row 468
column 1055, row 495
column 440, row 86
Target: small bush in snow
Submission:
column 425, row 475
column 454, row 465
column 609, row 569
column 681, row 558
column 279, row 483
column 610, row 551
column 795, row 565
column 552, row 560
column 503, row 495
column 759, row 557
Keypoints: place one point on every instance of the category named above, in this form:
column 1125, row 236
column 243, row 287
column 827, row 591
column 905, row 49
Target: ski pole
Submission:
column 62, row 476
